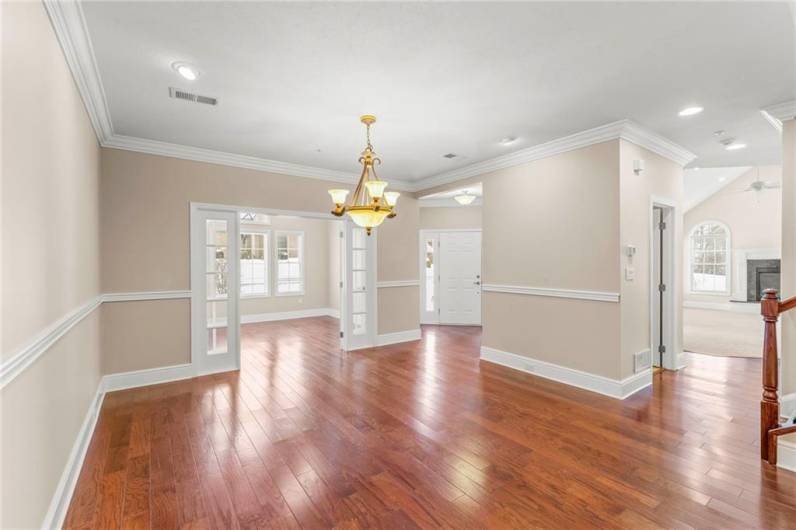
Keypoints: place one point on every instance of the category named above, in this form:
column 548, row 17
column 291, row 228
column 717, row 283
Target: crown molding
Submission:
column 199, row 154
column 624, row 129
column 776, row 114
column 783, row 111
column 70, row 29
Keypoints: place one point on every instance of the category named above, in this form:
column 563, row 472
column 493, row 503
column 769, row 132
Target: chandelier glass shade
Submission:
column 369, row 205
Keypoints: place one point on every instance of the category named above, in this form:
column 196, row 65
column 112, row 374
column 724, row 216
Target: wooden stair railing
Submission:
column 770, row 428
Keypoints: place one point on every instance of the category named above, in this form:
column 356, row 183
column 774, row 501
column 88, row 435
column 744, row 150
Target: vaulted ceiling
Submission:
column 292, row 78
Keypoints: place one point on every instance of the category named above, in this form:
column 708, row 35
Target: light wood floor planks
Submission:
column 423, row 435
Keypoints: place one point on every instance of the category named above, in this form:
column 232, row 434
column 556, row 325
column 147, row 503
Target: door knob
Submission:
column 476, row 283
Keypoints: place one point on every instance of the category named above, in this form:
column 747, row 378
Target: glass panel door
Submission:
column 214, row 285
column 359, row 308
column 429, row 277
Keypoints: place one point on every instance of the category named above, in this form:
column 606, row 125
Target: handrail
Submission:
column 770, row 428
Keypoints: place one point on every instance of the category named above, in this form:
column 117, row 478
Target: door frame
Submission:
column 671, row 359
column 423, row 233
column 196, row 206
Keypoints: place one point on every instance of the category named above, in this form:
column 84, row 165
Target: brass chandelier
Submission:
column 370, row 205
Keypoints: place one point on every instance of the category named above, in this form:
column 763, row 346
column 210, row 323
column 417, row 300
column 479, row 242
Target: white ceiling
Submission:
column 292, row 78
column 699, row 184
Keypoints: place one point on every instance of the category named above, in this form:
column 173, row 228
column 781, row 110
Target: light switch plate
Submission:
column 630, row 274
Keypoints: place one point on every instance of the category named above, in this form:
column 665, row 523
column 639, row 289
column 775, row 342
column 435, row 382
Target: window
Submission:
column 253, row 264
column 710, row 258
column 429, row 277
column 290, row 262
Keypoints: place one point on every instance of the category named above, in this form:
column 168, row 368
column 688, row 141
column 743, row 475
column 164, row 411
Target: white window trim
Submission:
column 727, row 264
column 303, row 262
column 267, row 233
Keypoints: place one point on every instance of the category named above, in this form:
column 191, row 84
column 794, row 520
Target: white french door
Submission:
column 215, row 263
column 459, row 276
column 358, row 303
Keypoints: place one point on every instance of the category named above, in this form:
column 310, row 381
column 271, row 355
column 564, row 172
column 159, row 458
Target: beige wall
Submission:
column 754, row 220
column 335, row 228
column 145, row 226
column 399, row 307
column 664, row 179
column 788, row 328
column 316, row 269
column 50, row 264
column 554, row 223
column 451, row 218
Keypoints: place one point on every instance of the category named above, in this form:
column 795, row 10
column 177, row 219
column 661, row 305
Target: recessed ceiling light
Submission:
column 733, row 147
column 508, row 140
column 722, row 179
column 186, row 70
column 690, row 111
column 695, row 168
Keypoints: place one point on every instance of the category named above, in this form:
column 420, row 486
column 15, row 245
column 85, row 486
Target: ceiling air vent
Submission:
column 176, row 93
column 450, row 155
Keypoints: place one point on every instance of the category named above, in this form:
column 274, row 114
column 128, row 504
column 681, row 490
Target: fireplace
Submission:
column 761, row 274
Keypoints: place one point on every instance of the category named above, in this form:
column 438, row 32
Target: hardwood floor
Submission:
column 423, row 435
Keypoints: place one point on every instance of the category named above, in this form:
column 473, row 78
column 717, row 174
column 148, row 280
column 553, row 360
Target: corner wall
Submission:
column 554, row 224
column 661, row 178
column 50, row 263
column 788, row 326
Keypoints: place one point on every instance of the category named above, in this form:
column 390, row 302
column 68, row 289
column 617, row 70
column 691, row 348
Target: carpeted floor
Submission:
column 724, row 333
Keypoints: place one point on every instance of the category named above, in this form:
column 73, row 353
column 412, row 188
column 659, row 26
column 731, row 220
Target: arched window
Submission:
column 710, row 258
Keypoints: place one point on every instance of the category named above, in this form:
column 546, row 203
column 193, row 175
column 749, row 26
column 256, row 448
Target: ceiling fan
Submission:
column 760, row 185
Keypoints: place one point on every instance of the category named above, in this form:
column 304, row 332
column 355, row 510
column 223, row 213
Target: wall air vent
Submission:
column 176, row 93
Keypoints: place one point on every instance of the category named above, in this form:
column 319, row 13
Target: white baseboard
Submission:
column 786, row 454
column 683, row 359
column 151, row 376
column 398, row 336
column 289, row 315
column 619, row 389
column 735, row 307
column 59, row 504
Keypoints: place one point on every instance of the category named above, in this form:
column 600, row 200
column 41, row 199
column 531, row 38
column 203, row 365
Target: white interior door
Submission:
column 460, row 277
column 358, row 303
column 215, row 263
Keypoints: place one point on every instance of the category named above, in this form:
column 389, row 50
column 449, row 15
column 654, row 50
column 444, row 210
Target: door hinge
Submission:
column 341, row 235
column 341, row 334
column 661, row 349
column 662, row 225
column 439, row 311
column 341, row 285
column 662, row 287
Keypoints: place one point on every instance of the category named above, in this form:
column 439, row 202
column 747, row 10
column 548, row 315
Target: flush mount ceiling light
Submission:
column 464, row 198
column 690, row 111
column 734, row 146
column 186, row 70
column 370, row 204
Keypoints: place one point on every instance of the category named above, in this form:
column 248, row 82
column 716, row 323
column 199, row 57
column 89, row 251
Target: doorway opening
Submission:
column 450, row 277
column 663, row 311
column 252, row 268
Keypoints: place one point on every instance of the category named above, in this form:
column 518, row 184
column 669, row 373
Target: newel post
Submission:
column 769, row 405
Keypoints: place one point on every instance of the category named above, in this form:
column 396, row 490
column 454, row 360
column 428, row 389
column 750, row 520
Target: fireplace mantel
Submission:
column 740, row 257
